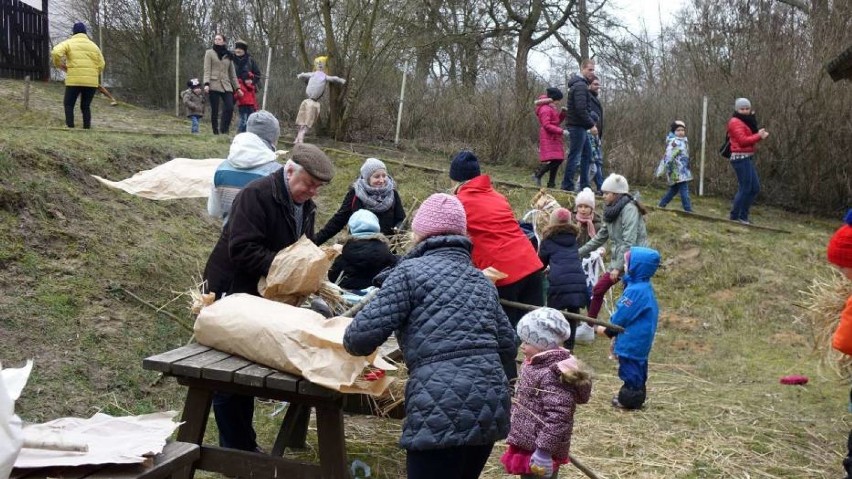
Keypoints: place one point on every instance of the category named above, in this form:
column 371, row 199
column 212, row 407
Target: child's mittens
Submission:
column 566, row 133
column 541, row 463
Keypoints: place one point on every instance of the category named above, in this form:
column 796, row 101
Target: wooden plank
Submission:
column 175, row 456
column 163, row 362
column 224, row 370
column 196, row 411
column 332, row 442
column 283, row 382
column 234, row 463
column 191, row 366
column 253, row 375
column 310, row 389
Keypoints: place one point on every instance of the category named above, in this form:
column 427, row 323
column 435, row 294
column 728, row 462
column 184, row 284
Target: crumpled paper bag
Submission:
column 290, row 339
column 296, row 272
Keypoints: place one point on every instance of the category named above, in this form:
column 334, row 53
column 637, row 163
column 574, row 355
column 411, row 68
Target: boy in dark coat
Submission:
column 567, row 288
column 456, row 341
column 365, row 254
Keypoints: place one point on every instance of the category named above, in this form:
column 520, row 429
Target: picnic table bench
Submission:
column 204, row 370
column 174, row 462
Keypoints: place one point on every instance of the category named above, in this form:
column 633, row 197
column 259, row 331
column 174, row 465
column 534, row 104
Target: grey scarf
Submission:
column 612, row 211
column 377, row 200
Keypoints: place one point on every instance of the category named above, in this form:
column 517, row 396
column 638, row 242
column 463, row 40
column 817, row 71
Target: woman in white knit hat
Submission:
column 586, row 217
column 624, row 227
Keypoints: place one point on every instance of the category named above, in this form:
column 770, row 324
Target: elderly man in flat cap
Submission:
column 268, row 215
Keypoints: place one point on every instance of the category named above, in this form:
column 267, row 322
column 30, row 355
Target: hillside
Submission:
column 728, row 329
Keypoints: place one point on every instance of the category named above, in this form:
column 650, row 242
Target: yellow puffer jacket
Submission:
column 82, row 58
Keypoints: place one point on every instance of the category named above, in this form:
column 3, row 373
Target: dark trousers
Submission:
column 549, row 166
column 86, row 93
column 748, row 187
column 681, row 188
column 461, row 462
column 598, row 292
column 234, row 414
column 227, row 111
column 579, row 152
column 634, row 374
column 529, row 290
column 569, row 344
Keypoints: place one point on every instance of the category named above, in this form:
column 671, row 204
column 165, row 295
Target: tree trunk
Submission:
column 335, row 65
column 584, row 28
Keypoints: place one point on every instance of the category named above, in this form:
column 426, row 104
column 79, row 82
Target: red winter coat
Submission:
column 544, row 405
column 550, row 142
column 249, row 97
column 496, row 236
column 742, row 139
column 842, row 339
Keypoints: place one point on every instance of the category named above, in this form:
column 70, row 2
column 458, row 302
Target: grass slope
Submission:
column 727, row 328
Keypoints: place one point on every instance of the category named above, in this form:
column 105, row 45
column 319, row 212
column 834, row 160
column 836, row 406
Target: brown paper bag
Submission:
column 296, row 272
column 290, row 339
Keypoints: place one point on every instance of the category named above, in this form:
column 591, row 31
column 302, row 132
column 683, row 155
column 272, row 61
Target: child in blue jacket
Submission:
column 637, row 312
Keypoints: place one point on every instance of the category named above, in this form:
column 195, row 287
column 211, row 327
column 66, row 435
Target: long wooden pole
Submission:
column 568, row 315
column 177, row 76
column 582, row 467
column 267, row 78
column 703, row 144
column 401, row 102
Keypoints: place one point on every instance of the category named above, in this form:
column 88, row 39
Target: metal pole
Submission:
column 268, row 76
column 401, row 102
column 703, row 144
column 177, row 76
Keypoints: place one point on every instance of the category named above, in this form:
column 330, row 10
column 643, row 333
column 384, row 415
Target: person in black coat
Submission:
column 559, row 250
column 268, row 215
column 365, row 254
column 245, row 64
column 374, row 190
column 578, row 119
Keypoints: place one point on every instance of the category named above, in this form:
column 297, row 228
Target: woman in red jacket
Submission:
column 744, row 136
column 551, row 151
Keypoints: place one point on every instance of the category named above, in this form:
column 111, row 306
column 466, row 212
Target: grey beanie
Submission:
column 742, row 103
column 371, row 166
column 544, row 328
column 265, row 125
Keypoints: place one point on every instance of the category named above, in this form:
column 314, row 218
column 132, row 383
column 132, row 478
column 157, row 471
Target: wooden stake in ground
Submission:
column 27, row 92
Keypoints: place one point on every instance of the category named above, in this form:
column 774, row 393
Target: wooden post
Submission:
column 401, row 101
column 703, row 142
column 268, row 76
column 177, row 76
column 27, row 92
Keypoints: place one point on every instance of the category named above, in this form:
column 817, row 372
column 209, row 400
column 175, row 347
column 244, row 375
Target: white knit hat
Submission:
column 615, row 183
column 544, row 328
column 585, row 197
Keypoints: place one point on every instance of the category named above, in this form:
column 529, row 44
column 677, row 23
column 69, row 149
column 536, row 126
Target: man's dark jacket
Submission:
column 261, row 224
column 578, row 103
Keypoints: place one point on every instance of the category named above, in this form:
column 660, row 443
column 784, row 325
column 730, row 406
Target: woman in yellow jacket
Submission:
column 83, row 64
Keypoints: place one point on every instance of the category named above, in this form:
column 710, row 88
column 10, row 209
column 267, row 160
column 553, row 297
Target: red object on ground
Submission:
column 374, row 375
column 794, row 379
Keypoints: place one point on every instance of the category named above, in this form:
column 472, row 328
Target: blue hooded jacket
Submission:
column 637, row 310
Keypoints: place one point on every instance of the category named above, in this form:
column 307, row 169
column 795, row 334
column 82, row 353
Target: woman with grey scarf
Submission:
column 375, row 191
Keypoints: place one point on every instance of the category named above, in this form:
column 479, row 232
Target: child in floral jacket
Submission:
column 675, row 166
column 551, row 385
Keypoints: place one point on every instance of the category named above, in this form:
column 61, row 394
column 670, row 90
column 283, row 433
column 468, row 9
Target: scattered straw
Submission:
column 823, row 302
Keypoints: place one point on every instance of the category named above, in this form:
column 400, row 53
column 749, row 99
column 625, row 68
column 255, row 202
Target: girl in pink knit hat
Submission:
column 455, row 339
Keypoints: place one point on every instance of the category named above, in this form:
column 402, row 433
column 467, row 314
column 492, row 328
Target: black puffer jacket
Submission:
column 454, row 337
column 388, row 220
column 567, row 280
column 361, row 260
column 578, row 103
column 261, row 224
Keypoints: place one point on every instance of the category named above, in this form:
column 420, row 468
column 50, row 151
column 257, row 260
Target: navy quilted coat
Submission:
column 454, row 337
column 567, row 280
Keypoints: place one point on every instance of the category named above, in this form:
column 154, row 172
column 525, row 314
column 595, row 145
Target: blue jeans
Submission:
column 234, row 414
column 749, row 187
column 245, row 111
column 683, row 189
column 579, row 151
column 195, row 119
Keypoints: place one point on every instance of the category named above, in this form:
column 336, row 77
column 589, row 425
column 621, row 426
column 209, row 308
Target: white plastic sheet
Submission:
column 12, row 382
column 178, row 178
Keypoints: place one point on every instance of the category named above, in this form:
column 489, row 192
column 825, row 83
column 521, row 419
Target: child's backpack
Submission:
column 725, row 149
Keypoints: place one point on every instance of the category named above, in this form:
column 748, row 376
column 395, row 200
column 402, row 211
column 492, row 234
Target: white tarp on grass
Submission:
column 178, row 178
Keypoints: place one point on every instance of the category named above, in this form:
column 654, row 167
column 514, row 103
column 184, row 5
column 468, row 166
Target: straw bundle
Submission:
column 823, row 302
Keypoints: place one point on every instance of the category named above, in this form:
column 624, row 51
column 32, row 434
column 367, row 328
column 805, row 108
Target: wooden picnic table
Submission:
column 204, row 370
